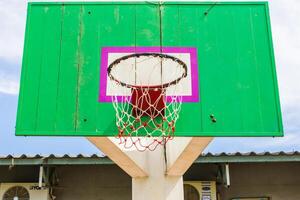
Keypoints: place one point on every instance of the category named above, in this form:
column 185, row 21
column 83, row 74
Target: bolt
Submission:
column 212, row 118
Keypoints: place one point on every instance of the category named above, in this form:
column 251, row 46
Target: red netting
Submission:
column 147, row 117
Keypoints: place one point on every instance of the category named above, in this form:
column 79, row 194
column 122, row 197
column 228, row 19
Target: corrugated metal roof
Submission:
column 250, row 157
column 97, row 159
column 252, row 153
column 52, row 156
column 209, row 154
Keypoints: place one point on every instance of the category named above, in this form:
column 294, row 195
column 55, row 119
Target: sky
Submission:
column 286, row 38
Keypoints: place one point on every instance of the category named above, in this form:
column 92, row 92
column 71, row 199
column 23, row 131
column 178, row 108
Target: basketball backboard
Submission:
column 230, row 88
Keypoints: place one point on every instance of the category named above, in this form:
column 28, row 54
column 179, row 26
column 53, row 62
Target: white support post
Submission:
column 184, row 152
column 227, row 174
column 157, row 185
column 155, row 174
column 122, row 159
column 41, row 174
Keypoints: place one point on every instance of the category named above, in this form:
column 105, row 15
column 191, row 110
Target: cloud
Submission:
column 9, row 85
column 285, row 30
column 12, row 23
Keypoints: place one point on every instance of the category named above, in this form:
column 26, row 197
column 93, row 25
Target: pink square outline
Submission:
column 104, row 63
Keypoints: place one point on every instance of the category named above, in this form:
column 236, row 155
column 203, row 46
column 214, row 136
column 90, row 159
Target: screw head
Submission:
column 213, row 118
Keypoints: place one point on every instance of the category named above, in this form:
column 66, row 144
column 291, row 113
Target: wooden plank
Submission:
column 46, row 105
column 67, row 83
column 31, row 70
column 116, row 28
column 19, row 121
column 87, row 93
column 266, row 76
column 180, row 29
column 225, row 71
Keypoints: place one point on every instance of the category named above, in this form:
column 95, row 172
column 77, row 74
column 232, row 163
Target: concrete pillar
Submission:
column 156, row 175
column 157, row 185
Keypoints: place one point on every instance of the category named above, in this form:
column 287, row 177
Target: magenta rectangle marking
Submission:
column 104, row 64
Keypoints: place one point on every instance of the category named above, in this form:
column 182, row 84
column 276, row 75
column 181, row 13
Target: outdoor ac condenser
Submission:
column 204, row 190
column 26, row 191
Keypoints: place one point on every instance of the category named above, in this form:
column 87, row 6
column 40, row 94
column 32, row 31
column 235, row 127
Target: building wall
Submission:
column 278, row 181
column 19, row 174
column 104, row 182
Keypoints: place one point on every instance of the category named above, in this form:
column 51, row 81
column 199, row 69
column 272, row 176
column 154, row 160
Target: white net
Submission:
column 147, row 112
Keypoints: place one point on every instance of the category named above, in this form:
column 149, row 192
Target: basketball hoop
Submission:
column 147, row 116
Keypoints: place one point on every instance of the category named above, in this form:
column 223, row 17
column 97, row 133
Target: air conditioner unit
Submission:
column 200, row 190
column 24, row 191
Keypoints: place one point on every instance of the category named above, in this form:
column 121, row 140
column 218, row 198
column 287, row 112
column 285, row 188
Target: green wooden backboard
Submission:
column 63, row 90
